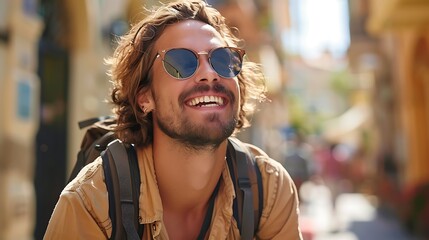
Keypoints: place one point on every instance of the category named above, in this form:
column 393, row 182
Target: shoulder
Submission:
column 90, row 174
column 88, row 190
column 276, row 181
column 268, row 166
column 82, row 209
column 274, row 175
column 280, row 212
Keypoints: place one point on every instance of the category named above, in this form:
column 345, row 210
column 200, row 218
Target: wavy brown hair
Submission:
column 132, row 59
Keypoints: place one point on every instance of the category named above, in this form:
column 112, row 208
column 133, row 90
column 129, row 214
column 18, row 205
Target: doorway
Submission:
column 51, row 138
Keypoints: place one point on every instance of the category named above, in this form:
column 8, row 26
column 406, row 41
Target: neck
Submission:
column 187, row 176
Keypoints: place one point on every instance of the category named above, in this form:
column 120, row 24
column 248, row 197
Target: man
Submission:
column 180, row 89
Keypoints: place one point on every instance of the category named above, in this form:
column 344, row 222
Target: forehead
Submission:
column 191, row 34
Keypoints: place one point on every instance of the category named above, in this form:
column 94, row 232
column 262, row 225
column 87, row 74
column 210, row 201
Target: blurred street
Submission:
column 355, row 217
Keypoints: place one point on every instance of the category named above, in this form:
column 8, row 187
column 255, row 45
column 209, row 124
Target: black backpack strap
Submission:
column 260, row 197
column 112, row 184
column 135, row 178
column 249, row 183
column 119, row 185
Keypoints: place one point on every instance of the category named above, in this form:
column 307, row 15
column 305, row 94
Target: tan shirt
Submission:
column 82, row 210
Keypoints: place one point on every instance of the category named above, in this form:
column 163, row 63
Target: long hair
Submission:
column 130, row 65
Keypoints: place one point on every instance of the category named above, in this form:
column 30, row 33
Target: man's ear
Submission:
column 145, row 99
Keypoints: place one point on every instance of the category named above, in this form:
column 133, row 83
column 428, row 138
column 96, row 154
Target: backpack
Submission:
column 123, row 179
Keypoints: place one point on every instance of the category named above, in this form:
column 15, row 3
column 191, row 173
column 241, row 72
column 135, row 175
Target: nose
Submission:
column 205, row 72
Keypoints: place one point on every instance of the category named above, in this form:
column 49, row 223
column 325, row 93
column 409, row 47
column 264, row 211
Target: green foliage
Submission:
column 305, row 121
column 342, row 83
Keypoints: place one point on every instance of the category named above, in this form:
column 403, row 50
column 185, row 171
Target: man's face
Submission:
column 201, row 110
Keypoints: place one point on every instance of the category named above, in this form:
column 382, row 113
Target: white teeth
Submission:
column 220, row 101
column 207, row 101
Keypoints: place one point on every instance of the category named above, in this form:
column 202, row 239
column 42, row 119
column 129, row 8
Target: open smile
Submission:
column 207, row 101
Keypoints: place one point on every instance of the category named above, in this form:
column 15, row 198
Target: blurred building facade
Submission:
column 402, row 104
column 20, row 30
column 402, row 28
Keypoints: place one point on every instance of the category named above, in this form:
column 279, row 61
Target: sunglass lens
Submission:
column 180, row 63
column 226, row 62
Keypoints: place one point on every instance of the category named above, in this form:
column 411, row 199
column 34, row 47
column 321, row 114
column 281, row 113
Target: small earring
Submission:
column 143, row 109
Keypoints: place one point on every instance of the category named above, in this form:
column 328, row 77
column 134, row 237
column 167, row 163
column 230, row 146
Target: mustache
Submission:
column 203, row 88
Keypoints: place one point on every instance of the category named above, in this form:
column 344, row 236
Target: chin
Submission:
column 210, row 132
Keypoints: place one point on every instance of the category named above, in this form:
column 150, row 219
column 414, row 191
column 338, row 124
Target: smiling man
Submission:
column 181, row 88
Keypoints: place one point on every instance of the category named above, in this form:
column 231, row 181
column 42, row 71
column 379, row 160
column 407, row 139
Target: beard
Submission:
column 209, row 133
column 199, row 136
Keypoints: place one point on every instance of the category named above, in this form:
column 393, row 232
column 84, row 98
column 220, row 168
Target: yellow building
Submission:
column 403, row 29
column 404, row 24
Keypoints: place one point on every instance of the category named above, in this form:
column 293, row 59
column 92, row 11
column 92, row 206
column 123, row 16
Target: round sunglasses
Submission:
column 182, row 63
